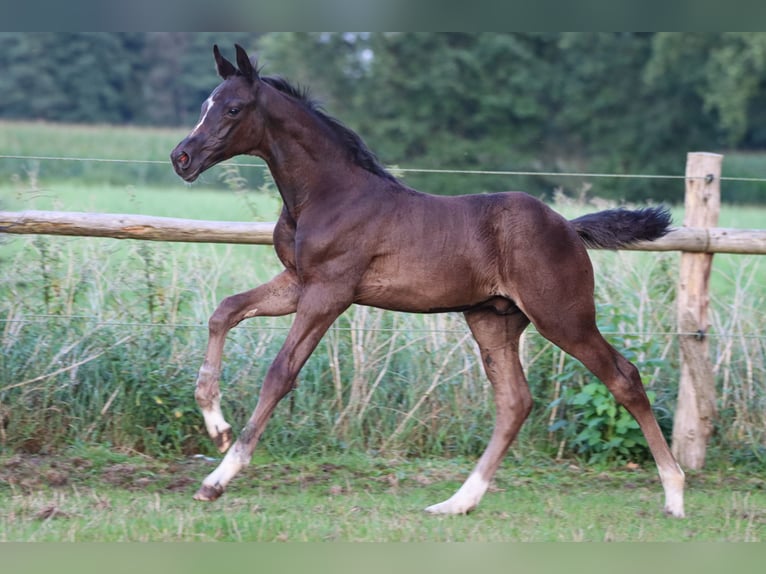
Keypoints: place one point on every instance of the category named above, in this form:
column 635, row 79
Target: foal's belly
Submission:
column 439, row 254
column 417, row 289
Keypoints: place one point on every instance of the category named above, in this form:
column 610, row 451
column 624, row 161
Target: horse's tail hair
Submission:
column 615, row 228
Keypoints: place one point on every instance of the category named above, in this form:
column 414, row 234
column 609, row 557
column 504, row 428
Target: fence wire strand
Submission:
column 507, row 173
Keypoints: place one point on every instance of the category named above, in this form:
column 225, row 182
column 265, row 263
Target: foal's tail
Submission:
column 615, row 228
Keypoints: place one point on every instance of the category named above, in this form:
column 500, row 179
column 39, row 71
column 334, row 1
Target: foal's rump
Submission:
column 549, row 272
column 608, row 229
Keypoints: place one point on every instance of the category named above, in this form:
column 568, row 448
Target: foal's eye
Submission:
column 233, row 112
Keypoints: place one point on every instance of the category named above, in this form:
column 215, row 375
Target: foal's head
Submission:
column 229, row 121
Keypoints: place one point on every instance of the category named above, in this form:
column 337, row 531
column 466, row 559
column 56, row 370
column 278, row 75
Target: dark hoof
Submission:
column 224, row 439
column 208, row 493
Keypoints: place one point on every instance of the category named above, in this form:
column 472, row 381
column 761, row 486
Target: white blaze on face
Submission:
column 207, row 106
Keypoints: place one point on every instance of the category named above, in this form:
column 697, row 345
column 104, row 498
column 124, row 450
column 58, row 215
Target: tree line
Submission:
column 559, row 102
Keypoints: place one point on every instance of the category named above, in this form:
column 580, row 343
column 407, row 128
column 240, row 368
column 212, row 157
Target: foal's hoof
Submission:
column 208, row 493
column 448, row 507
column 224, row 439
column 674, row 512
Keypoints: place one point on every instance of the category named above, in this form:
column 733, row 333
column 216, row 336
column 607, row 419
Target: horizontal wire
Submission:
column 409, row 170
column 541, row 173
column 84, row 159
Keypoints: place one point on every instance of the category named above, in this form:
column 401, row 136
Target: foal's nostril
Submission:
column 183, row 159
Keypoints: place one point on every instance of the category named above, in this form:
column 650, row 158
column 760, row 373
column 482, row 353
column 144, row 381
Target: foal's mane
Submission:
column 359, row 152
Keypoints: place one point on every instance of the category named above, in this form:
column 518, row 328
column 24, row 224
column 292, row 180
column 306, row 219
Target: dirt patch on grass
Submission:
column 29, row 473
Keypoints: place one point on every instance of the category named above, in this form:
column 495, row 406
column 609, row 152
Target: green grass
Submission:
column 184, row 201
column 88, row 141
column 100, row 496
column 228, row 261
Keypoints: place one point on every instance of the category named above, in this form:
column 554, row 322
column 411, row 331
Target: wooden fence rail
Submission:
column 121, row 226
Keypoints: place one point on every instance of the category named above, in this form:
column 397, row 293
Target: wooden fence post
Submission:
column 693, row 422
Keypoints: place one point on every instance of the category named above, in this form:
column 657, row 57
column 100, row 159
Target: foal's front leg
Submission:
column 317, row 309
column 277, row 297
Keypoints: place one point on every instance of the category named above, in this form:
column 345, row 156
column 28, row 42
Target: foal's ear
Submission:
column 244, row 64
column 225, row 68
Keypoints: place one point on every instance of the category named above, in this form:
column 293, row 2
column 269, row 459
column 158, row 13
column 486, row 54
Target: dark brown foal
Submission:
column 351, row 233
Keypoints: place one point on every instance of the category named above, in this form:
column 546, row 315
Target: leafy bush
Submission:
column 602, row 430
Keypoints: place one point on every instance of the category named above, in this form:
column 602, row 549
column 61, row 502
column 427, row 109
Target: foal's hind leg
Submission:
column 498, row 339
column 586, row 343
column 277, row 297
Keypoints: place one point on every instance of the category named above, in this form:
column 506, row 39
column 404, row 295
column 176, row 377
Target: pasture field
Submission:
column 105, row 497
column 100, row 341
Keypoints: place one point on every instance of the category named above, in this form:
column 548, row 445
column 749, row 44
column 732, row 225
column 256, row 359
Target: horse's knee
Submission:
column 218, row 321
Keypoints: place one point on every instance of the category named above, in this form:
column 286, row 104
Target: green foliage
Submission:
column 587, row 421
column 600, row 102
column 603, row 431
column 726, row 72
column 105, row 77
column 72, row 77
column 584, row 417
column 100, row 341
column 106, row 367
column 113, row 360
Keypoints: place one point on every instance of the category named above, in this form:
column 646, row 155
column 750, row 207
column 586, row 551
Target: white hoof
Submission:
column 465, row 499
column 449, row 507
column 675, row 512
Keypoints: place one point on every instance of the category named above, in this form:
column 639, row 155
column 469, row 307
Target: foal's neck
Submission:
column 305, row 158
